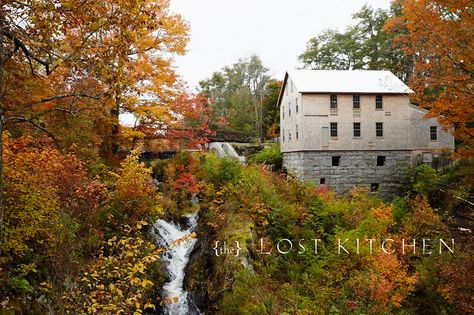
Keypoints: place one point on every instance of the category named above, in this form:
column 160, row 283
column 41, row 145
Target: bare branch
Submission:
column 19, row 44
column 63, row 96
column 36, row 125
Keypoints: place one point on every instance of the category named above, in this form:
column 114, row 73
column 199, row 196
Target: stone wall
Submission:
column 356, row 168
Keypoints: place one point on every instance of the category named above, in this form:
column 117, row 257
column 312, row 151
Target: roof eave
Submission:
column 282, row 89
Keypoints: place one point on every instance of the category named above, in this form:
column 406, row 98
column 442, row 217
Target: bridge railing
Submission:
column 232, row 136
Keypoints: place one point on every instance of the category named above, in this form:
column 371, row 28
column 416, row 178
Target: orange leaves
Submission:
column 118, row 50
column 259, row 213
column 423, row 221
column 382, row 213
column 40, row 182
column 383, row 286
column 439, row 37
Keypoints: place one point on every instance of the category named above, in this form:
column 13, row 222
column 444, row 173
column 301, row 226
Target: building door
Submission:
column 325, row 137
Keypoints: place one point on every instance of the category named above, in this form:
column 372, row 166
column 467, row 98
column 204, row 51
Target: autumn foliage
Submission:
column 77, row 201
column 439, row 38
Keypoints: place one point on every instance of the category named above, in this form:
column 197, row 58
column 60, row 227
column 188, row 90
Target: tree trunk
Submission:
column 114, row 113
column 2, row 120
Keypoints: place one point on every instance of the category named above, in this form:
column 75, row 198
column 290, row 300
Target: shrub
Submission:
column 220, row 171
column 123, row 280
column 270, row 155
column 135, row 197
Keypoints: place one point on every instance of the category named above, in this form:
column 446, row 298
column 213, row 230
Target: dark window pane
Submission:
column 336, row 160
column 356, row 129
column 374, row 187
column 433, row 133
column 379, row 129
column 333, row 101
column 322, row 181
column 378, row 101
column 381, row 160
column 356, row 101
column 333, row 129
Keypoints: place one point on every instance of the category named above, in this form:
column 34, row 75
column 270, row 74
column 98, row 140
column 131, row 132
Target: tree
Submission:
column 271, row 111
column 59, row 60
column 440, row 37
column 365, row 45
column 332, row 50
column 236, row 94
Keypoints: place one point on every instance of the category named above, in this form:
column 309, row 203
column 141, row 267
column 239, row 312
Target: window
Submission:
column 283, row 112
column 374, row 187
column 427, row 157
column 333, row 101
column 379, row 129
column 296, row 100
column 357, row 130
column 381, row 160
column 378, row 101
column 297, row 132
column 336, row 160
column 333, row 127
column 322, row 181
column 289, row 135
column 433, row 133
column 356, row 101
column 283, row 134
column 289, row 109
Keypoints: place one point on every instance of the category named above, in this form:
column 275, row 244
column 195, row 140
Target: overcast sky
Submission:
column 276, row 30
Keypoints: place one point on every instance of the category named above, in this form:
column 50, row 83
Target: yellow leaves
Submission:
column 146, row 283
column 136, row 281
column 259, row 213
column 149, row 305
column 46, row 286
column 120, row 283
column 27, row 268
column 141, row 224
column 111, row 241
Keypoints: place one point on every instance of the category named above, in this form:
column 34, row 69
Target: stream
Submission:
column 175, row 260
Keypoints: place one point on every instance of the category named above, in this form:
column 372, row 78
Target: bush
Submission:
column 123, row 280
column 270, row 155
column 135, row 197
column 220, row 171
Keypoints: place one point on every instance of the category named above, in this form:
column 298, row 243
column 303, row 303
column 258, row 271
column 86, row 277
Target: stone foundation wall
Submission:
column 356, row 168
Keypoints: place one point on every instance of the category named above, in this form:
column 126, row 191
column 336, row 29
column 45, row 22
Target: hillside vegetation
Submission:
column 249, row 204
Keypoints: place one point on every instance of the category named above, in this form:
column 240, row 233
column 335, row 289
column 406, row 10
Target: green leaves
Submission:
column 364, row 45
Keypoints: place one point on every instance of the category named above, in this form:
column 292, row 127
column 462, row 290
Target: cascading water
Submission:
column 176, row 258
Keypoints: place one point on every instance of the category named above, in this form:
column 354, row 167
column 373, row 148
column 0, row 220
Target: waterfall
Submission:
column 175, row 259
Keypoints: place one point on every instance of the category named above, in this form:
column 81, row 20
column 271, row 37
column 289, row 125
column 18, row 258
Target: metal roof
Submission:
column 347, row 81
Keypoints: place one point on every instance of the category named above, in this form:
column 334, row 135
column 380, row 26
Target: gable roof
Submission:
column 347, row 81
